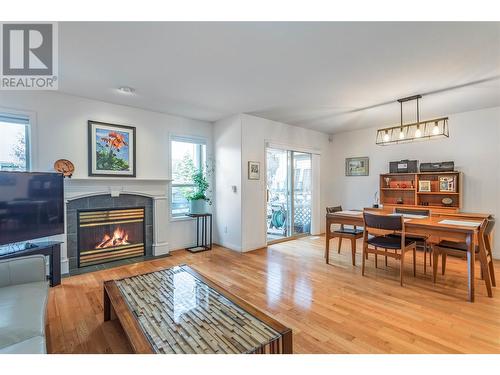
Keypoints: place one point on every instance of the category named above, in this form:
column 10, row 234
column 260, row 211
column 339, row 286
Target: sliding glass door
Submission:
column 288, row 193
column 301, row 192
column 278, row 194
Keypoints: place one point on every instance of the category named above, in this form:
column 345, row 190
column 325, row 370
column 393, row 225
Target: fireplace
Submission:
column 106, row 235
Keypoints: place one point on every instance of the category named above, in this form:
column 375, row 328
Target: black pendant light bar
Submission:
column 419, row 130
column 409, row 98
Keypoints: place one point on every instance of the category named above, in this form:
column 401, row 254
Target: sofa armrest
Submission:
column 22, row 270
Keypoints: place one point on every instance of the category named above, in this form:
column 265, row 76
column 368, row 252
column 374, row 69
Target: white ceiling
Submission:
column 330, row 76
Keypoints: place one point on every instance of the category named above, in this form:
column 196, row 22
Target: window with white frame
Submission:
column 188, row 155
column 14, row 142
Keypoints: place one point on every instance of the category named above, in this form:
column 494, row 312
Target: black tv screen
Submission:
column 31, row 206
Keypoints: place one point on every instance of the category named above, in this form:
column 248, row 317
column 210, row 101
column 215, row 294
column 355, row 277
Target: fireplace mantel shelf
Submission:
column 81, row 187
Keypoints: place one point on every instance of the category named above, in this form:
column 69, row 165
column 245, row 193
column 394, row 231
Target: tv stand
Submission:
column 52, row 249
column 29, row 246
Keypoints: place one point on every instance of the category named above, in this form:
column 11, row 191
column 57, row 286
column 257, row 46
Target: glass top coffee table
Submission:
column 177, row 310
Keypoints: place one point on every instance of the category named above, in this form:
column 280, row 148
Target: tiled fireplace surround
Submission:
column 101, row 193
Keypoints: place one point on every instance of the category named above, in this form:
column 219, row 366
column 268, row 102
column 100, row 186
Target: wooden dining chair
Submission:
column 348, row 232
column 373, row 240
column 420, row 240
column 482, row 252
column 488, row 246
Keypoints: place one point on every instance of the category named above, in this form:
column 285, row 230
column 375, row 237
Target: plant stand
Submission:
column 203, row 233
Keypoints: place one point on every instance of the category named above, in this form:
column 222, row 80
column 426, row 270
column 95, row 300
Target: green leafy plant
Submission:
column 201, row 186
column 187, row 172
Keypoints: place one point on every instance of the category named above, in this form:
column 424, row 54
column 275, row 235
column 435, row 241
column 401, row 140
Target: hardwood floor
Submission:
column 330, row 308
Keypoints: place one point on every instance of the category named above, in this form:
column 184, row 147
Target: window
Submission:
column 14, row 142
column 188, row 155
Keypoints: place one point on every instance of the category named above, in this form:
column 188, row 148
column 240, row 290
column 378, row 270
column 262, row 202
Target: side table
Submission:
column 203, row 233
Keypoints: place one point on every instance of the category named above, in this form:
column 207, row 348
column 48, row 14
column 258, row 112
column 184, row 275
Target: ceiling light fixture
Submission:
column 126, row 90
column 435, row 129
column 401, row 131
column 419, row 130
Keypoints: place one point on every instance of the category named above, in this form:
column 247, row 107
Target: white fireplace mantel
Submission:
column 75, row 188
column 157, row 189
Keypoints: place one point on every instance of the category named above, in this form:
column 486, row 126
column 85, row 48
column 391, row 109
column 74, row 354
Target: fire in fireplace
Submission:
column 109, row 235
column 118, row 238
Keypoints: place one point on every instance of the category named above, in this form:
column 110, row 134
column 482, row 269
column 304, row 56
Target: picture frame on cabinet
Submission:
column 424, row 186
column 447, row 184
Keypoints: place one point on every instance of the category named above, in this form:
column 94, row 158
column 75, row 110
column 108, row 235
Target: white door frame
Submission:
column 315, row 183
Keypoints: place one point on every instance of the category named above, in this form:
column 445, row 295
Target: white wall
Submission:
column 474, row 145
column 256, row 132
column 238, row 140
column 227, row 153
column 61, row 132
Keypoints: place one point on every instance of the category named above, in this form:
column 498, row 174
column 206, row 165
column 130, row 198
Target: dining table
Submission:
column 457, row 228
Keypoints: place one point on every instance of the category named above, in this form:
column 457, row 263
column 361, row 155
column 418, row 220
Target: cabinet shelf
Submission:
column 438, row 192
column 399, row 189
column 397, row 174
column 442, row 206
column 436, row 206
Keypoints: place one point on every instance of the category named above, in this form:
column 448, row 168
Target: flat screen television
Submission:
column 31, row 206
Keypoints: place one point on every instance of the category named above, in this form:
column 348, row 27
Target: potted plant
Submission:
column 188, row 173
column 198, row 198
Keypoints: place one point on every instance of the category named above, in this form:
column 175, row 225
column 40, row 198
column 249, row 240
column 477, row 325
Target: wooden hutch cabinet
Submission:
column 437, row 191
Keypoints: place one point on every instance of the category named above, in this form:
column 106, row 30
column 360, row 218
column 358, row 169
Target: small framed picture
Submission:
column 111, row 150
column 357, row 166
column 424, row 186
column 253, row 170
column 447, row 184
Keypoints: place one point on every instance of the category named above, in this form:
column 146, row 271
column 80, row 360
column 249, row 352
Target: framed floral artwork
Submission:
column 111, row 150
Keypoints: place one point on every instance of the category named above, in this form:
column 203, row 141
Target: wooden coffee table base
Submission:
column 115, row 307
column 220, row 323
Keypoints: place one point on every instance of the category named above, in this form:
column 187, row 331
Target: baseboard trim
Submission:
column 160, row 249
column 229, row 246
column 64, row 266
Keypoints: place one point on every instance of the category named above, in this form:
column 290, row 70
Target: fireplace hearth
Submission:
column 106, row 235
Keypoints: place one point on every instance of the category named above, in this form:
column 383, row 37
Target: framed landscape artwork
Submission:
column 357, row 166
column 111, row 150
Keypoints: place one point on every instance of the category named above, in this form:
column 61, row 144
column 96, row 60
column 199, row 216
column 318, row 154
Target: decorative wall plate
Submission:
column 447, row 201
column 65, row 167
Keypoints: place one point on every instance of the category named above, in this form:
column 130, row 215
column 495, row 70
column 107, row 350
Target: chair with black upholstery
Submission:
column 348, row 232
column 483, row 252
column 419, row 239
column 379, row 234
